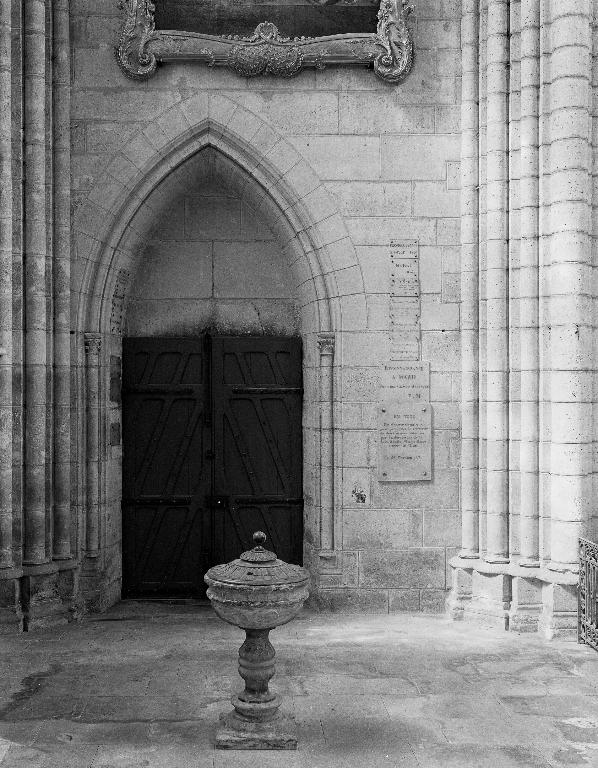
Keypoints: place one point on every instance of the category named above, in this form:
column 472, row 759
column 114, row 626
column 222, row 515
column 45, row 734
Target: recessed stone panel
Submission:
column 416, row 567
column 382, row 528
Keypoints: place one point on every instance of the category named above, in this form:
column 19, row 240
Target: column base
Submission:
column 235, row 732
column 514, row 598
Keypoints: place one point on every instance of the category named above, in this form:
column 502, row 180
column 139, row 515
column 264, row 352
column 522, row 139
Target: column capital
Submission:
column 326, row 341
column 93, row 344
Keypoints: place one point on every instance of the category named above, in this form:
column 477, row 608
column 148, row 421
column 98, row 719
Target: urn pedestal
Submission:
column 257, row 592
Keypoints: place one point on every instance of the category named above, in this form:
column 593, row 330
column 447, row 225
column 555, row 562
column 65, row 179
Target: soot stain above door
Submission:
column 294, row 18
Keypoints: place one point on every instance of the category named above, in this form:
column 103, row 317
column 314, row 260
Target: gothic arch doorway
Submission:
column 115, row 226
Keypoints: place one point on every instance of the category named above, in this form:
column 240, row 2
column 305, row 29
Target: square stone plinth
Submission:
column 234, row 733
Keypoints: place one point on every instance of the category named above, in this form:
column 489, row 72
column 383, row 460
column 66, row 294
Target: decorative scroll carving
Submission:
column 139, row 28
column 266, row 52
column 390, row 49
column 394, row 36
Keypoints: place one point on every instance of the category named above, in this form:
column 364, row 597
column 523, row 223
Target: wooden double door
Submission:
column 212, row 451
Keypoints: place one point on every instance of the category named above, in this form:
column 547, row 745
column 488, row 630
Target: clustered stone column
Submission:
column 527, row 307
column 35, row 345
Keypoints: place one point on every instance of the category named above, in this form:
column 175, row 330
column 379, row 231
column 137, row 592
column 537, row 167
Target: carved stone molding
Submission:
column 389, row 49
column 118, row 300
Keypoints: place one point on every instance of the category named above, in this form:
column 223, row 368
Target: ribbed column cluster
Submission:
column 35, row 358
column 527, row 288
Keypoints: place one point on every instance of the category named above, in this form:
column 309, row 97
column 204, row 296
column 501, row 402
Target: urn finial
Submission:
column 259, row 539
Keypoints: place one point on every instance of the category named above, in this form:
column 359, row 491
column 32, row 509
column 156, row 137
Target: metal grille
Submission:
column 587, row 610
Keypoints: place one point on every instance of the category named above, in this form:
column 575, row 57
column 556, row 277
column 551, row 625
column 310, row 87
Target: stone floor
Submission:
column 143, row 686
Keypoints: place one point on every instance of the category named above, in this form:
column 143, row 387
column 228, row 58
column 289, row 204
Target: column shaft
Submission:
column 570, row 278
column 528, row 283
column 61, row 282
column 516, row 346
column 6, row 324
column 326, row 345
column 92, row 520
column 469, row 281
column 482, row 250
column 497, row 389
column 35, row 252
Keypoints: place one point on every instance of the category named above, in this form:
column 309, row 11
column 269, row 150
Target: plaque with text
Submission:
column 404, row 343
column 404, row 441
column 404, row 277
column 404, row 249
column 404, row 310
column 408, row 381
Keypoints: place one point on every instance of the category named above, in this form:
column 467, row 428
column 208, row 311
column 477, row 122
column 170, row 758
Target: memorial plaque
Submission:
column 404, row 441
column 403, row 249
column 408, row 381
column 404, row 344
column 404, row 277
column 404, row 310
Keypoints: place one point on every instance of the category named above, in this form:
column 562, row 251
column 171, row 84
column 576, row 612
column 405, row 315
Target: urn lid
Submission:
column 258, row 567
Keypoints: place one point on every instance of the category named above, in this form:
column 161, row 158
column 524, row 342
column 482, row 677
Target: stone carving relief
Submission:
column 389, row 49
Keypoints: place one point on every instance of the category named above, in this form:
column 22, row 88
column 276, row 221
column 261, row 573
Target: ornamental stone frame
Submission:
column 110, row 226
column 389, row 50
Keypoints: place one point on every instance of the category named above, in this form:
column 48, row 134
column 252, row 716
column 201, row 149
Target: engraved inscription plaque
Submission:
column 404, row 343
column 404, row 441
column 403, row 249
column 404, row 277
column 407, row 381
column 404, row 310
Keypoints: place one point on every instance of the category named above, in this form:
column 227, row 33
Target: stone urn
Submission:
column 257, row 592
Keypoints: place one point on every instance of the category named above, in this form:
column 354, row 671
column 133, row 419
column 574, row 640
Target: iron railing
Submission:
column 587, row 604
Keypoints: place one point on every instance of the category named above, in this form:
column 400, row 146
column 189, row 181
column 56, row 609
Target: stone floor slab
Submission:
column 142, row 687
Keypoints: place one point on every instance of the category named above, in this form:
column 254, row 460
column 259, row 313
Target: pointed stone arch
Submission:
column 292, row 197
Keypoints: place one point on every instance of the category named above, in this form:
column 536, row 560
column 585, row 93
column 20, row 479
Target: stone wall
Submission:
column 387, row 159
column 320, row 172
column 211, row 262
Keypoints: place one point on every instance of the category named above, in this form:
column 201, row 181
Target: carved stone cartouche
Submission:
column 256, row 592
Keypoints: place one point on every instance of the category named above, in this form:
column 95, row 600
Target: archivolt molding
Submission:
column 111, row 219
column 389, row 49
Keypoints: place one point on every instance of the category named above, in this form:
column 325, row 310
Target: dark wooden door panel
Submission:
column 212, row 452
column 166, row 550
column 166, row 526
column 257, row 397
